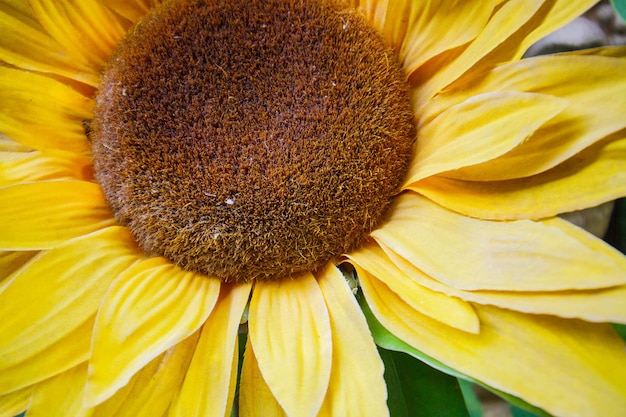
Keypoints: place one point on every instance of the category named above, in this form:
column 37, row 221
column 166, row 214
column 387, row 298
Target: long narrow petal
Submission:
column 42, row 215
column 558, row 15
column 479, row 129
column 150, row 307
column 507, row 19
column 17, row 167
column 56, row 357
column 59, row 290
column 210, row 382
column 43, row 113
column 15, row 403
column 473, row 254
column 594, row 176
column 150, row 391
column 370, row 259
column 602, row 306
column 437, row 26
column 551, row 15
column 61, row 395
column 291, row 336
column 255, row 397
column 588, row 118
column 131, row 10
column 25, row 44
column 354, row 389
column 9, row 145
column 511, row 347
column 11, row 262
column 86, row 28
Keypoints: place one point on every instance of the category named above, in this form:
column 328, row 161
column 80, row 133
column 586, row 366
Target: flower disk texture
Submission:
column 252, row 139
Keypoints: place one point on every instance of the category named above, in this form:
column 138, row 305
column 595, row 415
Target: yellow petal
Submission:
column 16, row 167
column 506, row 20
column 594, row 176
column 41, row 215
column 479, row 129
column 255, row 397
column 56, row 357
column 61, row 395
column 558, row 15
column 150, row 391
column 354, row 389
column 86, row 29
column 9, row 145
column 131, row 10
column 11, row 262
column 587, row 362
column 437, row 26
column 25, row 44
column 149, row 308
column 370, row 259
column 388, row 17
column 62, row 289
column 472, row 254
column 15, row 403
column 43, row 113
column 210, row 381
column 603, row 306
column 588, row 118
column 291, row 336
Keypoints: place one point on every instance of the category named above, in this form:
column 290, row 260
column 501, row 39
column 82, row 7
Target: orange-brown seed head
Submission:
column 251, row 139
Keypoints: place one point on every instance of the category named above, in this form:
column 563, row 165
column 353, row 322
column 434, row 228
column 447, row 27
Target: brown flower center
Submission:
column 251, row 139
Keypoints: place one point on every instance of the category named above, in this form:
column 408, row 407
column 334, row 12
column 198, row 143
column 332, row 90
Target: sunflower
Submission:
column 176, row 173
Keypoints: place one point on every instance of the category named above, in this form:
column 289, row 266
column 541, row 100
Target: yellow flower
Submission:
column 469, row 265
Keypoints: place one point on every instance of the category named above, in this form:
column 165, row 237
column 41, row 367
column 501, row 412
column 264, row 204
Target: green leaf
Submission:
column 518, row 412
column 620, row 7
column 386, row 340
column 471, row 400
column 621, row 330
column 416, row 389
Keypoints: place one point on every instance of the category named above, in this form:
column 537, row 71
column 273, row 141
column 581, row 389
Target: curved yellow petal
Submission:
column 370, row 259
column 15, row 403
column 131, row 10
column 558, row 15
column 150, row 391
column 56, row 357
column 61, row 395
column 16, row 167
column 595, row 176
column 209, row 384
column 588, row 118
column 479, row 129
column 9, row 145
column 85, row 28
column 437, row 26
column 472, row 254
column 587, row 362
column 11, row 262
column 25, row 44
column 291, row 335
column 149, row 308
column 43, row 113
column 354, row 389
column 41, row 215
column 603, row 305
column 504, row 22
column 255, row 397
column 58, row 290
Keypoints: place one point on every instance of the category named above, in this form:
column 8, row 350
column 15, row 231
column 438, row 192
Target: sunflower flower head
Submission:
column 261, row 151
column 192, row 192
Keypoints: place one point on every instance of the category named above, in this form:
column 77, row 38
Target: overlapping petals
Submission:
column 470, row 267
